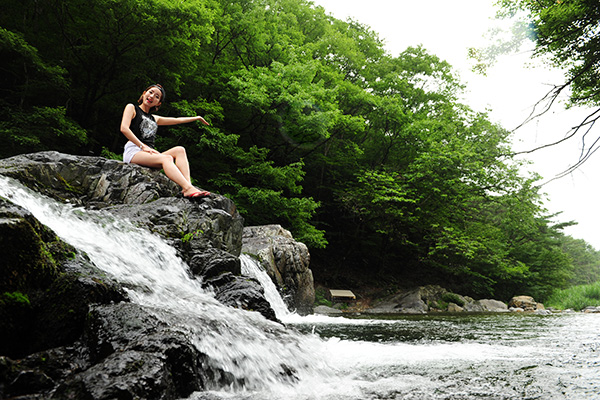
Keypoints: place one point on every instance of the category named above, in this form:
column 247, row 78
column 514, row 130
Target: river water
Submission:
column 504, row 356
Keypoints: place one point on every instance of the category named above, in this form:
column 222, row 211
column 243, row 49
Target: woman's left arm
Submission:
column 179, row 120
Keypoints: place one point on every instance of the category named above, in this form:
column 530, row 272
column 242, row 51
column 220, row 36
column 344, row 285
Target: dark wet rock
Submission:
column 213, row 262
column 44, row 297
column 286, row 262
column 28, row 250
column 66, row 329
column 245, row 293
column 141, row 356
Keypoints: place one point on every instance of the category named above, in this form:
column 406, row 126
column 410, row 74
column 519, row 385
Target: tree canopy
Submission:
column 367, row 157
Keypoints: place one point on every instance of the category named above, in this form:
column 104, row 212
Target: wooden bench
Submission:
column 341, row 296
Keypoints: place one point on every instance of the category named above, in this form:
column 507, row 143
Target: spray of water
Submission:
column 454, row 361
column 251, row 268
column 244, row 343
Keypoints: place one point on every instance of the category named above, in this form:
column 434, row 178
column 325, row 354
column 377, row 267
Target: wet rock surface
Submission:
column 286, row 262
column 66, row 329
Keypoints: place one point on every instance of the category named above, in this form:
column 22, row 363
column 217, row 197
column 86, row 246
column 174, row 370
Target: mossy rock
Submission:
column 46, row 286
column 28, row 250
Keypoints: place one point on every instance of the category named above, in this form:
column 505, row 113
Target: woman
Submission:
column 140, row 126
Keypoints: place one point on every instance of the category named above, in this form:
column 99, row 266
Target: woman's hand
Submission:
column 148, row 149
column 199, row 118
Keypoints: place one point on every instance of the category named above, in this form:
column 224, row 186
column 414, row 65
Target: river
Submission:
column 430, row 357
column 453, row 356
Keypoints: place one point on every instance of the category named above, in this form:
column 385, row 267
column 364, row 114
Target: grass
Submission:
column 576, row 297
column 320, row 298
column 453, row 298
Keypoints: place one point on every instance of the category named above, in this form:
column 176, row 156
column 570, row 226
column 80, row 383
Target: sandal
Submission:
column 198, row 195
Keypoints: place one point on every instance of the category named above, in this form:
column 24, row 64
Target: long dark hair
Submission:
column 163, row 96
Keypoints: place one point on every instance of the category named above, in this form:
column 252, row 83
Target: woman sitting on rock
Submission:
column 140, row 126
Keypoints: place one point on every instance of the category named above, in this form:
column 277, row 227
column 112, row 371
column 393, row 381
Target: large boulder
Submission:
column 143, row 195
column 525, row 303
column 89, row 181
column 207, row 233
column 69, row 330
column 419, row 300
column 286, row 262
column 429, row 298
column 130, row 353
column 404, row 302
column 486, row 305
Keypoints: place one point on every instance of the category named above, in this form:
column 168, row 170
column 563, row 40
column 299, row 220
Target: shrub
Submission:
column 453, row 298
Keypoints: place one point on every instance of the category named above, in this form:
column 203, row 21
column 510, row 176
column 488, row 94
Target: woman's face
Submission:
column 152, row 97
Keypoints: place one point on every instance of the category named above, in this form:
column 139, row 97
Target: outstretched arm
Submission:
column 180, row 120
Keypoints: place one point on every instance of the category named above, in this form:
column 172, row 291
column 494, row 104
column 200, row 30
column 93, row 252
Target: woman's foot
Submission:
column 194, row 193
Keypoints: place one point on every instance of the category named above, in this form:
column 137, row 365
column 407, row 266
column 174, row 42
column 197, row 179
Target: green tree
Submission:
column 313, row 126
column 585, row 259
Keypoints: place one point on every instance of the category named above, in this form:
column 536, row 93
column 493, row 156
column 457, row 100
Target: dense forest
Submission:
column 368, row 158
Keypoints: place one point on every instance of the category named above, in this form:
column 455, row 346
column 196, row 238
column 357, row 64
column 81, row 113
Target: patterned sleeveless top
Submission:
column 144, row 126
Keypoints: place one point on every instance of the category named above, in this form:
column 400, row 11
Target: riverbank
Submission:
column 433, row 299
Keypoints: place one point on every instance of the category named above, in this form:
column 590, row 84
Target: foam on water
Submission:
column 241, row 342
column 496, row 357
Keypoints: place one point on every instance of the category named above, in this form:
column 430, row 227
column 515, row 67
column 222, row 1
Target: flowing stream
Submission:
column 505, row 356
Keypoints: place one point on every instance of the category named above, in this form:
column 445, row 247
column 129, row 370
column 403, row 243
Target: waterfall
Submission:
column 251, row 268
column 241, row 342
column 417, row 357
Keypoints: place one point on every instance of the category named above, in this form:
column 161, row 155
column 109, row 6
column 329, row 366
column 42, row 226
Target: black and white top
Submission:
column 144, row 126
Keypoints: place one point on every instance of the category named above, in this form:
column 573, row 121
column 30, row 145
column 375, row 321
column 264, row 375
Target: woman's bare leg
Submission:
column 181, row 161
column 165, row 162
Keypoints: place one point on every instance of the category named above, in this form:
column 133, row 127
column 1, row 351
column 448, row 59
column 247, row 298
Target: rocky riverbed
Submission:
column 64, row 322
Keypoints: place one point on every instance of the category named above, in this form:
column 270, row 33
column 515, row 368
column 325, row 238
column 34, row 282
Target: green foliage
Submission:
column 453, row 298
column 12, row 298
column 106, row 153
column 40, row 128
column 321, row 298
column 575, row 298
column 585, row 260
column 191, row 235
column 313, row 126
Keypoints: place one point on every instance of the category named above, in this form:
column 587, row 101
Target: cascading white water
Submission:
column 467, row 357
column 243, row 343
column 251, row 268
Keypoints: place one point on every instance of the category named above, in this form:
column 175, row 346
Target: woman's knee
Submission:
column 177, row 151
column 166, row 159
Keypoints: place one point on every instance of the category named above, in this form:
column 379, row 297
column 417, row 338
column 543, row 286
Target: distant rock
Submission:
column 486, row 305
column 591, row 310
column 455, row 308
column 404, row 302
column 324, row 310
column 432, row 298
column 525, row 303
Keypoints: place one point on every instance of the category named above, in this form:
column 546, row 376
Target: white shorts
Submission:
column 129, row 151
